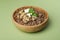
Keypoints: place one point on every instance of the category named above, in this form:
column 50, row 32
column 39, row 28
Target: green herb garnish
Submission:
column 32, row 12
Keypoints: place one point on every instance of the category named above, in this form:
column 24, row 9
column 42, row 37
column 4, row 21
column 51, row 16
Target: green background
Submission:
column 8, row 30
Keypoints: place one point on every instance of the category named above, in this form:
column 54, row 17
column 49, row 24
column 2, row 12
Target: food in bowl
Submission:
column 30, row 18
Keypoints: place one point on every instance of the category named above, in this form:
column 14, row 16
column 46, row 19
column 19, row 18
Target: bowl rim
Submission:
column 32, row 25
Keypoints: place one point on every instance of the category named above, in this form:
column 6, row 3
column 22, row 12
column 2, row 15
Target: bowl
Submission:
column 33, row 28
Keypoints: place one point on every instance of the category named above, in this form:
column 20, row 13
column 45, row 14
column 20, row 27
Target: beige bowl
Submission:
column 33, row 28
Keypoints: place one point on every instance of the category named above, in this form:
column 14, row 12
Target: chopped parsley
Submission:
column 32, row 12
